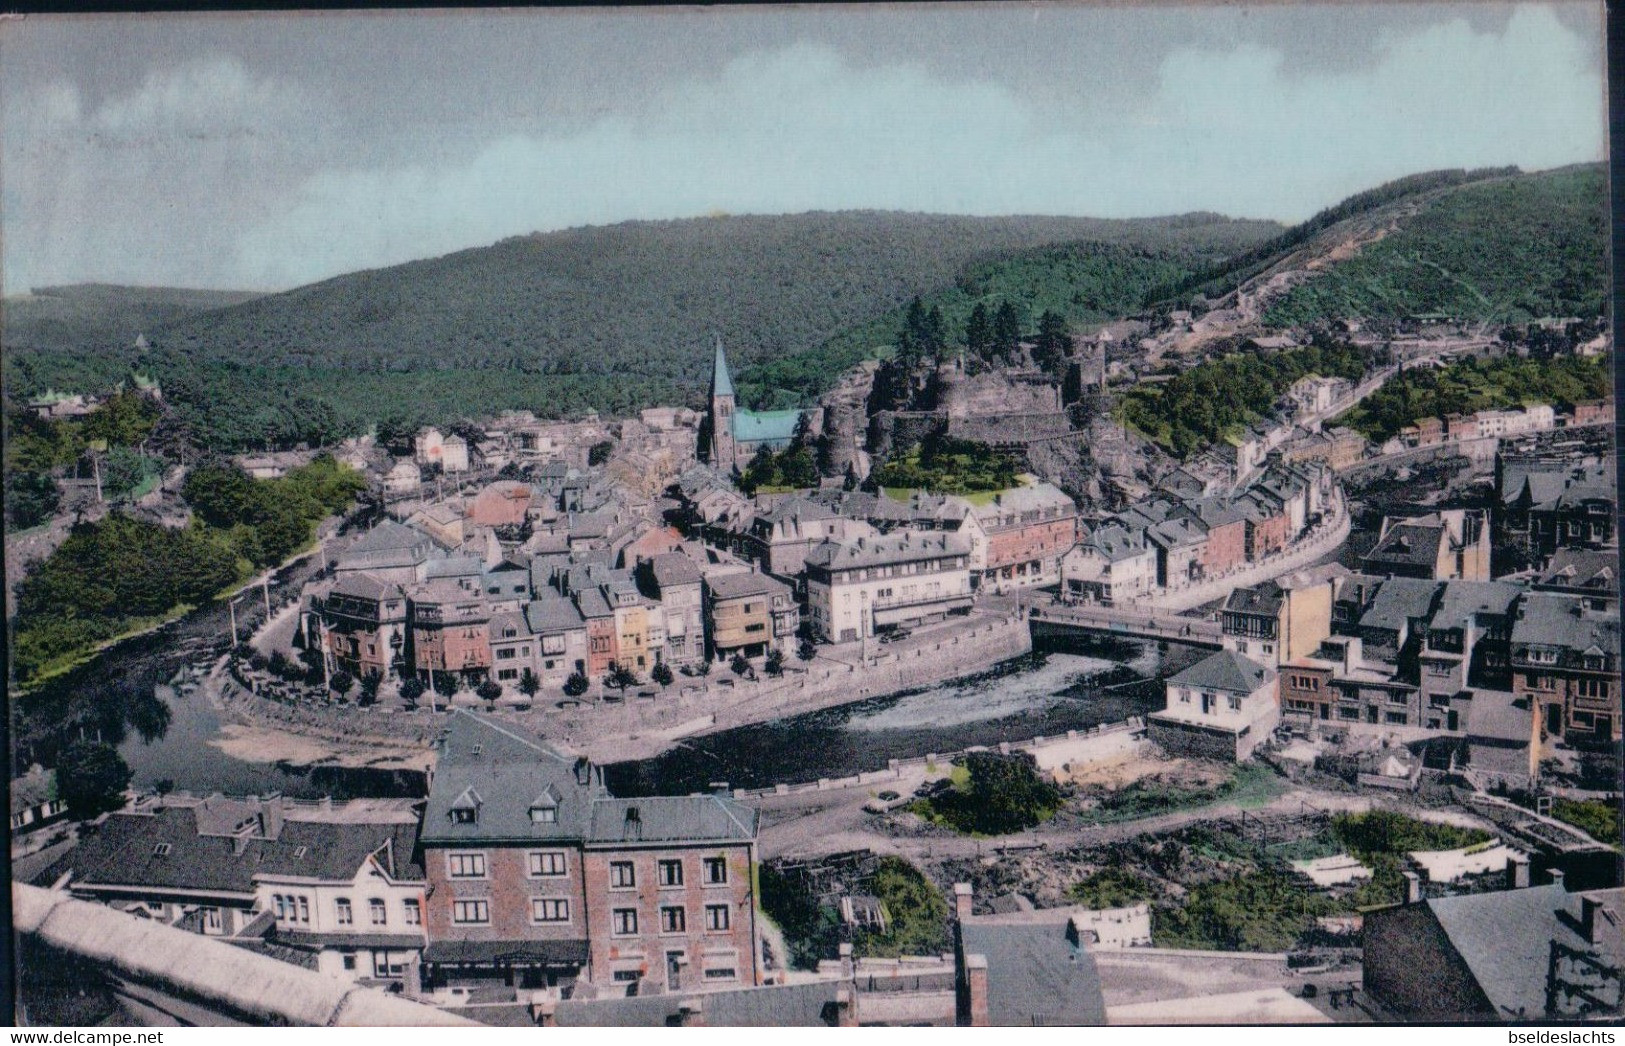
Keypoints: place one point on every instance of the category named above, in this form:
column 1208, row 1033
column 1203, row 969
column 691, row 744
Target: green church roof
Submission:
column 769, row 426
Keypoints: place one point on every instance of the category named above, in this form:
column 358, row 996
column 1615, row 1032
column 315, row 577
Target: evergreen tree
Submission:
column 1053, row 342
column 1006, row 333
column 979, row 334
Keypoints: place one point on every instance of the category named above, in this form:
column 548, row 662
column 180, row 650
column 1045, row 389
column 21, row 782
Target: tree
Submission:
column 703, row 668
column 1005, row 794
column 979, row 334
column 599, row 453
column 762, row 471
column 412, row 690
column 1053, row 342
column 806, row 651
column 576, row 685
column 91, row 778
column 446, row 684
column 796, row 468
column 489, row 690
column 739, row 664
column 620, row 676
column 122, row 471
column 529, row 684
column 775, row 662
column 1006, row 333
column 340, row 682
column 31, row 498
column 369, row 688
column 661, row 674
column 221, row 494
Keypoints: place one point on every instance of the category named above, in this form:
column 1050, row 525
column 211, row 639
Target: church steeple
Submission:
column 722, row 412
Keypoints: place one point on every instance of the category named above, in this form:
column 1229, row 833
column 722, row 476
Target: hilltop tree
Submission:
column 31, row 498
column 979, row 334
column 1006, row 333
column 1053, row 342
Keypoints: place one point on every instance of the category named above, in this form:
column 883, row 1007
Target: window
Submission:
column 1397, row 718
column 349, row 961
column 716, row 871
column 1235, row 703
column 622, row 876
column 281, row 904
column 345, row 915
column 414, row 912
column 211, row 921
column 623, row 976
column 549, row 910
column 377, row 912
column 161, row 850
column 671, row 873
column 471, row 912
column 1593, row 687
column 464, row 815
column 508, row 673
column 673, row 919
column 544, row 815
column 721, row 973
column 304, row 909
column 716, row 917
column 547, row 864
column 625, row 922
column 466, row 865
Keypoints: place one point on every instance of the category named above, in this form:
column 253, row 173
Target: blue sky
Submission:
column 267, row 152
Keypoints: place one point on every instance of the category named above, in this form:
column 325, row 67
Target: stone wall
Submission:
column 1188, row 740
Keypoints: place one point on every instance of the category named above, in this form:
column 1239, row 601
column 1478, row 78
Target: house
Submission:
column 1029, row 528
column 1222, row 707
column 1535, row 954
column 857, row 589
column 445, row 523
column 1464, row 645
column 34, row 800
column 363, row 622
column 780, row 538
column 673, row 579
column 1450, row 544
column 332, row 887
column 1180, row 543
column 1565, row 660
column 1111, row 566
column 431, row 448
column 561, row 639
column 389, row 552
column 749, row 614
column 540, row 878
column 403, row 478
column 1226, row 547
column 1023, row 970
column 1503, row 744
column 448, row 630
column 505, row 503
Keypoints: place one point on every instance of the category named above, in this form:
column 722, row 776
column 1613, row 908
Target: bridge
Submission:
column 1058, row 619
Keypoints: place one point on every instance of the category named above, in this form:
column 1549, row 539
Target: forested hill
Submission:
column 643, row 298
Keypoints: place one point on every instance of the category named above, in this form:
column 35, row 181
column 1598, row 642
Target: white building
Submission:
column 1222, row 707
column 1112, row 566
column 855, row 589
column 449, row 452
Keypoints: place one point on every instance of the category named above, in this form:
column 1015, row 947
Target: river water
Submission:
column 1063, row 685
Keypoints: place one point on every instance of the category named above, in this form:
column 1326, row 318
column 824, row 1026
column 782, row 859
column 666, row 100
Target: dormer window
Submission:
column 465, row 809
column 544, row 809
column 161, row 850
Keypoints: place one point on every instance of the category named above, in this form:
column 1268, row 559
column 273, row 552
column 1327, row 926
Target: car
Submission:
column 884, row 802
column 896, row 635
column 932, row 789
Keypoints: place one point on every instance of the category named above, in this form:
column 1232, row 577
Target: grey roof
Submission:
column 773, row 1006
column 1409, row 544
column 365, row 586
column 1505, row 939
column 388, row 536
column 1597, row 571
column 735, row 586
column 1561, row 620
column 32, row 789
column 562, row 952
column 1225, row 670
column 1496, row 715
column 501, row 771
column 910, row 546
column 1264, row 598
column 1036, row 975
column 1399, row 599
column 1215, row 511
column 670, row 569
column 796, row 507
column 553, row 614
column 671, row 818
column 1177, row 532
column 165, row 849
column 592, row 603
column 722, row 383
column 453, row 567
column 1116, row 543
column 1462, row 599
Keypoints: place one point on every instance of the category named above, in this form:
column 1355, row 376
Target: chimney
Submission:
column 1557, row 877
column 1413, row 887
column 691, row 1013
column 848, row 969
column 1517, row 872
column 1588, row 919
column 962, row 901
column 975, row 1015
column 846, row 1012
column 271, row 816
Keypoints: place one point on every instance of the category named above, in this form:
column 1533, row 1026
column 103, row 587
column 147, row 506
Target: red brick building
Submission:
column 364, row 619
column 538, row 877
column 449, row 629
column 1028, row 530
column 1565, row 661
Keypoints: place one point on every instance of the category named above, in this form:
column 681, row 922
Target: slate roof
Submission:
column 1496, row 715
column 795, row 507
column 388, row 536
column 1225, row 670
column 1177, row 532
column 1413, row 544
column 722, row 383
column 562, row 952
column 1264, row 599
column 1115, row 543
column 553, row 614
column 1561, row 620
column 365, row 586
column 500, row 771
column 736, row 586
column 34, row 788
column 770, row 426
column 668, row 818
column 670, row 569
column 1462, row 599
column 1597, row 571
column 1398, row 600
column 1505, row 939
column 908, row 547
column 1036, row 975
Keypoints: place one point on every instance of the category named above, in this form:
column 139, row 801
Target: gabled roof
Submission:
column 552, row 613
column 1562, row 620
column 1412, row 543
column 1597, row 571
column 1225, row 670
column 1037, row 976
column 910, row 546
column 671, row 818
column 500, row 770
column 388, row 536
column 765, row 426
column 1464, row 599
column 365, row 586
column 673, row 568
column 1265, row 598
column 1398, row 600
column 737, row 586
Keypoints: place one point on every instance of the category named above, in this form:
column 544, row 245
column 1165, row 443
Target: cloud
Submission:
column 223, row 178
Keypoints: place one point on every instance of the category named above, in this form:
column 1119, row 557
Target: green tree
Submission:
column 806, row 651
column 661, row 674
column 599, row 452
column 1004, row 794
column 412, row 690
column 31, row 498
column 489, row 690
column 91, row 778
column 222, row 495
column 447, row 684
column 979, row 334
column 774, row 662
column 1053, row 343
column 740, row 664
column 529, row 684
column 1006, row 333
column 576, row 685
column 122, row 471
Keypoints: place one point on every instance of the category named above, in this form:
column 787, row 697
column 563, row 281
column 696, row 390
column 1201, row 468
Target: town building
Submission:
column 448, row 630
column 333, row 887
column 539, row 878
column 868, row 586
column 431, row 447
column 1029, row 528
column 1112, row 566
column 673, row 579
column 1454, row 543
column 1222, row 707
column 389, row 551
column 403, row 479
column 1565, row 660
column 363, row 620
column 749, row 614
column 781, row 537
column 35, row 801
column 505, row 503
column 1593, row 575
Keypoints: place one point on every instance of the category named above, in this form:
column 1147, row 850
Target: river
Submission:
column 1063, row 685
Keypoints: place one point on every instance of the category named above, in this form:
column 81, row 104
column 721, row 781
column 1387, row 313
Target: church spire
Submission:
column 722, row 384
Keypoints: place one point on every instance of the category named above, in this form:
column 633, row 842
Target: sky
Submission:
column 263, row 152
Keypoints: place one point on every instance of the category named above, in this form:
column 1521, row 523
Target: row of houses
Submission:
column 1514, row 421
column 1192, row 530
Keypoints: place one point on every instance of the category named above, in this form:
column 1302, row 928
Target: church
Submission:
column 737, row 434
